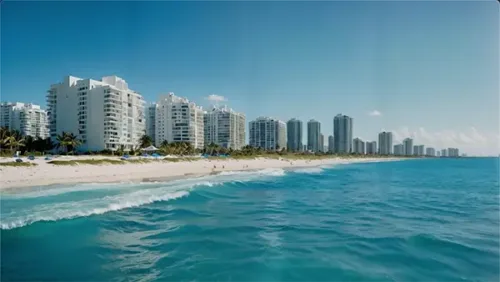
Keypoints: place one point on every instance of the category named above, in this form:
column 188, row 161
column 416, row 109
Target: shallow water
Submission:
column 415, row 220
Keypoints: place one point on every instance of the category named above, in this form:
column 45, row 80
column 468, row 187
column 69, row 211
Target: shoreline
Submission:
column 44, row 175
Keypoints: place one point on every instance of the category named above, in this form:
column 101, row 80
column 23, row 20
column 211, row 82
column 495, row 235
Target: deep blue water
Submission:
column 415, row 220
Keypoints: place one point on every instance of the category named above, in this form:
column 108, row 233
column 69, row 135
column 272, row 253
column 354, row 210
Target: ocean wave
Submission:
column 128, row 197
column 309, row 170
column 69, row 210
column 261, row 172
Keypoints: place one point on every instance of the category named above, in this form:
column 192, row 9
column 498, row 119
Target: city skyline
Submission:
column 382, row 71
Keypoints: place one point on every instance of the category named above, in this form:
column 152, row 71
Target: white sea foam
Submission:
column 128, row 197
column 261, row 172
column 309, row 170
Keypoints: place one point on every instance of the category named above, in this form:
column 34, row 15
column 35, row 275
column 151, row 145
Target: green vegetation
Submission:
column 89, row 162
column 17, row 164
column 68, row 142
column 12, row 140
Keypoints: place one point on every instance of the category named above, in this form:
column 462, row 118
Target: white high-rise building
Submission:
column 453, row 152
column 444, row 153
column 371, row 148
column 430, row 152
column 151, row 121
column 342, row 134
column 358, row 146
column 267, row 133
column 29, row 119
column 399, row 150
column 331, row 145
column 294, row 135
column 225, row 127
column 104, row 114
column 179, row 120
column 313, row 136
column 418, row 150
column 385, row 143
column 408, row 147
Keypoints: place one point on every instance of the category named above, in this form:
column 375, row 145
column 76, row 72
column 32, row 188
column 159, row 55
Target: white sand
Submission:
column 47, row 174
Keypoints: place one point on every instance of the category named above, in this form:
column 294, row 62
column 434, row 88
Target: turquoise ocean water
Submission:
column 414, row 220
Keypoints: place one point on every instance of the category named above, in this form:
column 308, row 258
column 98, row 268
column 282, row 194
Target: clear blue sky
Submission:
column 430, row 68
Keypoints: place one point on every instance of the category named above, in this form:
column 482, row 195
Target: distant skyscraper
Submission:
column 151, row 120
column 438, row 153
column 321, row 147
column 430, row 152
column 418, row 150
column 313, row 135
column 224, row 127
column 342, row 134
column 331, row 147
column 358, row 146
column 408, row 146
column 399, row 150
column 371, row 148
column 453, row 152
column 267, row 133
column 443, row 153
column 385, row 143
column 29, row 119
column 294, row 135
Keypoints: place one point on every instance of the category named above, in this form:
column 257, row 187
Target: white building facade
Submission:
column 179, row 120
column 267, row 133
column 29, row 119
column 430, row 152
column 105, row 114
column 224, row 127
column 385, row 143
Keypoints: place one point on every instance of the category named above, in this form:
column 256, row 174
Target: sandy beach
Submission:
column 48, row 174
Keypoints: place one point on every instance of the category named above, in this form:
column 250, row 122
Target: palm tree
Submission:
column 68, row 141
column 13, row 141
column 146, row 141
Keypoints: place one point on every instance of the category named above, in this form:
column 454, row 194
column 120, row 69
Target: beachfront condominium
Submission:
column 358, row 146
column 444, row 153
column 408, row 147
column 267, row 133
column 438, row 153
column 179, row 120
column 371, row 148
column 105, row 114
column 418, row 150
column 342, row 134
column 224, row 127
column 430, row 152
column 331, row 146
column 385, row 143
column 28, row 119
column 294, row 135
column 399, row 150
column 453, row 152
column 151, row 120
column 313, row 135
